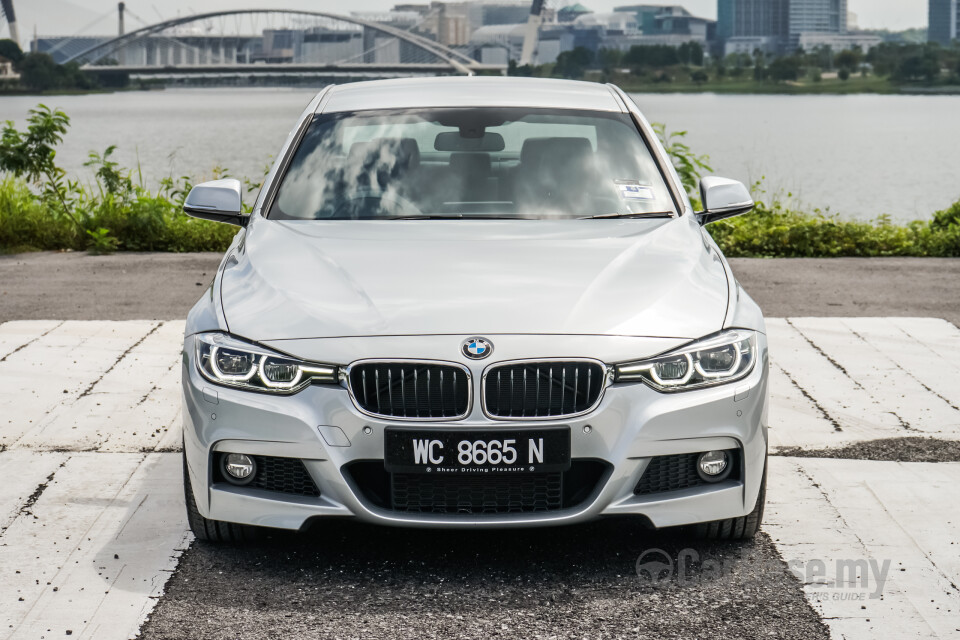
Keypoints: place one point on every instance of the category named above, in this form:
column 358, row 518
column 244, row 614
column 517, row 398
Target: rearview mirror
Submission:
column 453, row 141
column 723, row 198
column 217, row 200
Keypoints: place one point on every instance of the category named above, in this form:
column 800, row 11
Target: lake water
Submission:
column 859, row 156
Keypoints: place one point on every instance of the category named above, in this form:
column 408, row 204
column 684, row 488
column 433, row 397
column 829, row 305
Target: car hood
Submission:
column 631, row 277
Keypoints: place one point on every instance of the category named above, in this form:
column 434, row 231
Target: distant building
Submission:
column 497, row 44
column 278, row 44
column 782, row 26
column 751, row 44
column 571, row 12
column 505, row 12
column 452, row 23
column 670, row 25
column 810, row 40
column 322, row 45
column 746, row 26
column 646, row 15
column 944, row 25
column 671, row 20
column 820, row 16
column 616, row 23
column 160, row 50
column 753, row 19
column 7, row 72
column 816, row 23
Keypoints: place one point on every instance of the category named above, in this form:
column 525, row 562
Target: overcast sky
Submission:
column 65, row 17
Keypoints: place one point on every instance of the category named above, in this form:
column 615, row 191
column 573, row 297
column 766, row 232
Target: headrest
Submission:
column 534, row 150
column 556, row 153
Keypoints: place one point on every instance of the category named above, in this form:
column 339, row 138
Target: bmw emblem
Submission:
column 476, row 348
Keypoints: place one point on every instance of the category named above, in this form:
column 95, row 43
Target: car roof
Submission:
column 470, row 91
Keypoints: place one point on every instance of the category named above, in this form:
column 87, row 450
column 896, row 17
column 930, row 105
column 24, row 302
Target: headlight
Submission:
column 233, row 363
column 719, row 359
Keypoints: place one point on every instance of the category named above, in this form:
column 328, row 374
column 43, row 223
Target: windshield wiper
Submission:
column 649, row 214
column 457, row 216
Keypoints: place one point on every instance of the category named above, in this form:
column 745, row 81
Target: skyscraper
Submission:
column 824, row 16
column 944, row 26
column 780, row 26
column 752, row 18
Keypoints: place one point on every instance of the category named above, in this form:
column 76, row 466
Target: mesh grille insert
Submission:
column 281, row 475
column 483, row 493
column 480, row 495
column 669, row 473
column 675, row 472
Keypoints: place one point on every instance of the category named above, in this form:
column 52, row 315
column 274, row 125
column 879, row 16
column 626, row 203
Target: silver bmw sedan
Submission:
column 473, row 301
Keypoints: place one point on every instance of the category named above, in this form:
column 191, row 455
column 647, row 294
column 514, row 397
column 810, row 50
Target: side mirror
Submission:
column 723, row 198
column 217, row 200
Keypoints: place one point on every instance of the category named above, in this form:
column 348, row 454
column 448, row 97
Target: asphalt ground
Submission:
column 910, row 449
column 348, row 580
column 163, row 286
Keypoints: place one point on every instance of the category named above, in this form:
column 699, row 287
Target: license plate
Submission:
column 519, row 451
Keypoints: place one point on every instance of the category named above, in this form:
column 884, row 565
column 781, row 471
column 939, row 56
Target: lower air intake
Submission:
column 280, row 475
column 425, row 493
column 480, row 495
column 672, row 473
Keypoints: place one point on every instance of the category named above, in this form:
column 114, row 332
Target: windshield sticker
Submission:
column 634, row 191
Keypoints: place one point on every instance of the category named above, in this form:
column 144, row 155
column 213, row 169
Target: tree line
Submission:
column 900, row 62
column 40, row 72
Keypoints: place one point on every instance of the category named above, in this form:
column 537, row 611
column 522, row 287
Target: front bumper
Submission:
column 322, row 427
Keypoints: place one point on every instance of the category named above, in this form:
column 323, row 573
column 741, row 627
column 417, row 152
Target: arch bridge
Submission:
column 277, row 40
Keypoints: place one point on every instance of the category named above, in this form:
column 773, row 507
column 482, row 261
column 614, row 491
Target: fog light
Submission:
column 713, row 466
column 239, row 468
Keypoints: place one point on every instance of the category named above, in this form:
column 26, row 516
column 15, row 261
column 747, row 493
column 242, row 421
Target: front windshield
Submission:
column 473, row 162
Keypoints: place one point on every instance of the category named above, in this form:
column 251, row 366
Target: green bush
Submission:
column 142, row 222
column 947, row 218
column 775, row 231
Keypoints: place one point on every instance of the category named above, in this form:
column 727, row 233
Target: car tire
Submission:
column 742, row 528
column 209, row 530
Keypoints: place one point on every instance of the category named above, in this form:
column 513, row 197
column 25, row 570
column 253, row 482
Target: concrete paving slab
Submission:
column 925, row 349
column 58, row 368
column 126, row 392
column 95, row 549
column 875, row 543
column 85, row 400
column 24, row 475
column 795, row 420
column 852, row 384
column 891, row 385
column 17, row 334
